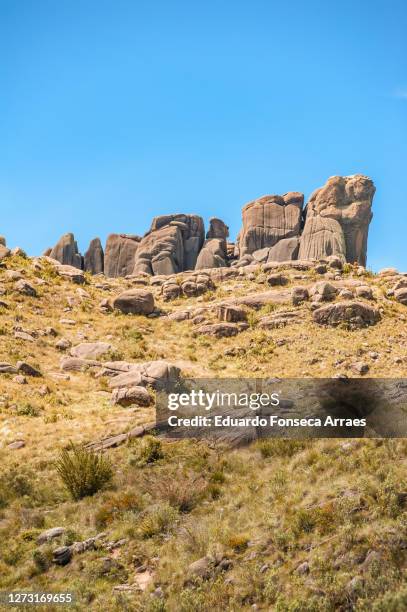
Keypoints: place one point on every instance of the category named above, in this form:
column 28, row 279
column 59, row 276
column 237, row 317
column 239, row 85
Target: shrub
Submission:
column 114, row 507
column 159, row 520
column 238, row 542
column 83, row 472
column 280, row 447
column 150, row 451
column 180, row 491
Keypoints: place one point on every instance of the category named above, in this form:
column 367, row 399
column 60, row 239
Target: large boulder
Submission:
column 351, row 313
column 217, row 229
column 157, row 374
column 285, row 249
column 268, row 220
column 212, row 255
column 120, row 254
column 134, row 301
column 171, row 246
column 90, row 350
column 337, row 219
column 66, row 252
column 94, row 257
column 4, row 251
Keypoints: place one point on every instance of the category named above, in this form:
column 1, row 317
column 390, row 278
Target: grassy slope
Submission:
column 265, row 509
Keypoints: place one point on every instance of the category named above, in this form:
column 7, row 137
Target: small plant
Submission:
column 150, row 451
column 28, row 410
column 238, row 542
column 114, row 508
column 159, row 520
column 83, row 472
column 180, row 491
column 279, row 447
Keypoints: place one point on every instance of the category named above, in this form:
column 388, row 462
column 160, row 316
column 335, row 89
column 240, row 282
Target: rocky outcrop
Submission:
column 120, row 254
column 214, row 253
column 171, row 246
column 270, row 219
column 93, row 260
column 66, row 252
column 337, row 219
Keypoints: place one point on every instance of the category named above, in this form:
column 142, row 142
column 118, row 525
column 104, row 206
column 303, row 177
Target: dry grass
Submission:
column 266, row 509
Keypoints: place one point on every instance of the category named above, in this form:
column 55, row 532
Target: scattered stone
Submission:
column 401, row 295
column 298, row 295
column 20, row 380
column 323, row 291
column 275, row 280
column 230, row 313
column 23, row 287
column 219, row 330
column 20, row 335
column 62, row 555
column 75, row 364
column 63, row 344
column 279, row 319
column 303, row 568
column 360, row 367
column 90, row 350
column 71, row 273
column 353, row 314
column 135, row 301
column 158, row 374
column 388, row 272
column 345, row 294
column 125, row 396
column 179, row 315
column 7, row 368
column 364, row 291
column 27, row 369
column 67, row 321
column 16, row 444
column 50, row 534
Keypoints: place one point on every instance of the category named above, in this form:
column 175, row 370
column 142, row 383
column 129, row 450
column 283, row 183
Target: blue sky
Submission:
column 112, row 112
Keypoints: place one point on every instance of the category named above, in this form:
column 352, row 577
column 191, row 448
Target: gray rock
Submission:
column 303, row 568
column 217, row 229
column 298, row 295
column 93, row 261
column 120, row 254
column 212, row 255
column 4, row 252
column 75, row 364
column 351, row 313
column 90, row 350
column 171, row 246
column 27, row 369
column 219, row 330
column 134, row 301
column 25, row 288
column 337, row 220
column 7, row 368
column 277, row 279
column 230, row 313
column 71, row 273
column 401, row 295
column 62, row 555
column 364, row 291
column 268, row 220
column 360, row 367
column 285, row 249
column 124, row 396
column 158, row 374
column 50, row 534
column 63, row 344
column 17, row 444
column 66, row 251
column 324, row 291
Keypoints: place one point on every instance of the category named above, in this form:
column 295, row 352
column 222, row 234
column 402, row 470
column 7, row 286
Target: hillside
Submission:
column 279, row 525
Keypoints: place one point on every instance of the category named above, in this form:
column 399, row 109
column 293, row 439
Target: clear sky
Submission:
column 112, row 112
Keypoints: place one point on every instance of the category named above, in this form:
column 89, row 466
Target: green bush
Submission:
column 83, row 472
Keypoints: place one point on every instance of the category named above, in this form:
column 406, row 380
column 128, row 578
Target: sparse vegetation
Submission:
column 83, row 472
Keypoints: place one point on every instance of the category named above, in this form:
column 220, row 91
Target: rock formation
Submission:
column 94, row 257
column 275, row 229
column 172, row 245
column 270, row 219
column 120, row 253
column 214, row 253
column 66, row 252
column 337, row 219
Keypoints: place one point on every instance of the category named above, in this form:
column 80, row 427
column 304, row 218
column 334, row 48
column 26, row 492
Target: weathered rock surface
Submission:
column 25, row 288
column 66, row 251
column 212, row 255
column 70, row 273
column 126, row 396
column 154, row 373
column 90, row 350
column 401, row 295
column 219, row 330
column 353, row 314
column 120, row 254
column 270, row 219
column 4, row 252
column 172, row 245
column 230, row 313
column 93, row 260
column 337, row 221
column 134, row 301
